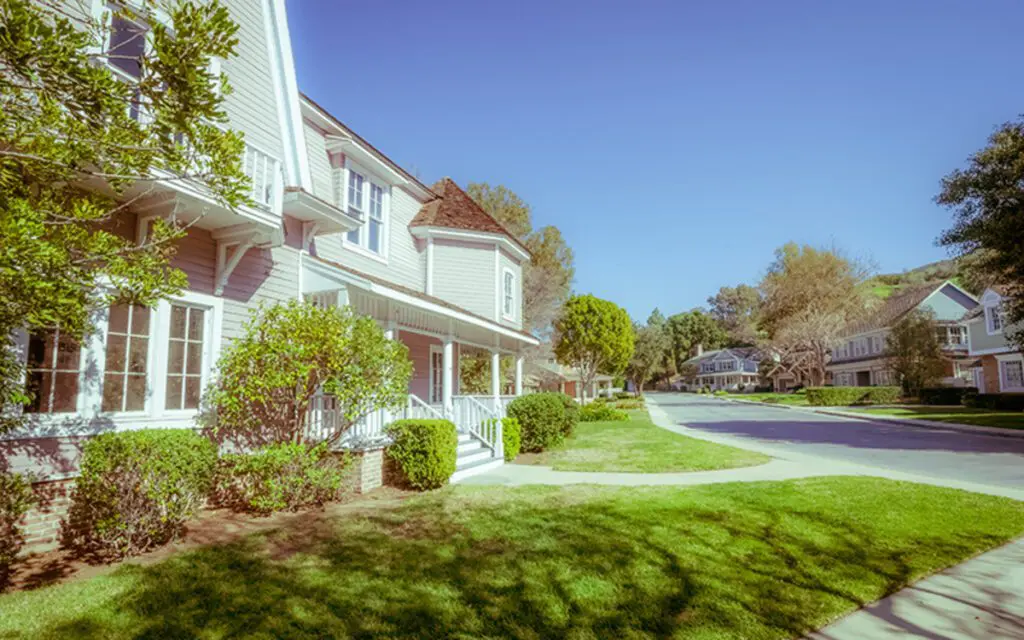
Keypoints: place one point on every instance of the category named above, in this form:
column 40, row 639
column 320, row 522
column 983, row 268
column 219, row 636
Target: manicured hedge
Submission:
column 424, row 450
column 995, row 401
column 544, row 419
column 280, row 477
column 15, row 500
column 572, row 414
column 624, row 395
column 511, row 437
column 602, row 413
column 629, row 404
column 137, row 489
column 846, row 396
column 946, row 396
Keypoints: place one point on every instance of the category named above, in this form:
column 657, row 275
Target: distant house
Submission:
column 998, row 366
column 859, row 359
column 548, row 375
column 734, row 369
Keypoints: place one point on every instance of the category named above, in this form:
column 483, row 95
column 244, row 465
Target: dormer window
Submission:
column 994, row 319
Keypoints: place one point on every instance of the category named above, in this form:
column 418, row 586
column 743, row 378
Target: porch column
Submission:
column 519, row 375
column 447, row 367
column 495, row 375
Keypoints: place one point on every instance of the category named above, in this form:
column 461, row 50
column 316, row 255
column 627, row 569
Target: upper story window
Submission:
column 952, row 335
column 727, row 365
column 126, row 45
column 995, row 319
column 366, row 198
column 508, row 305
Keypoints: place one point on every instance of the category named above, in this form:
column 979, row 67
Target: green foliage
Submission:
column 137, row 489
column 281, row 477
column 945, row 396
column 720, row 393
column 593, row 336
column 736, row 310
column 65, row 126
column 287, row 353
column 625, row 395
column 629, row 404
column 847, row 396
column 652, row 343
column 694, row 328
column 511, row 435
column 988, row 222
column 602, row 413
column 913, row 352
column 425, row 451
column 994, row 401
column 572, row 414
column 542, row 418
column 475, row 372
column 16, row 499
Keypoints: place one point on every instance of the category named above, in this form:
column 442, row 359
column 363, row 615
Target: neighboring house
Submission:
column 733, row 369
column 335, row 221
column 859, row 359
column 548, row 375
column 999, row 367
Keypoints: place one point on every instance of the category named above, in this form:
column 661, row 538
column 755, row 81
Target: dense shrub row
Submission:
column 602, row 413
column 511, row 435
column 995, row 401
column 845, row 396
column 15, row 500
column 545, row 419
column 280, row 477
column 424, row 450
column 946, row 396
column 629, row 404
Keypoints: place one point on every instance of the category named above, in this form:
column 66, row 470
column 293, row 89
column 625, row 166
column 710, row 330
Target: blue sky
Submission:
column 677, row 144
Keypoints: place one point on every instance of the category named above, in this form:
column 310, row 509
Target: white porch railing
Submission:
column 481, row 421
column 324, row 420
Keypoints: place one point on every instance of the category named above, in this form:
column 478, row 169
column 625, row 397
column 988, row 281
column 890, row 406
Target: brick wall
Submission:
column 367, row 470
column 41, row 525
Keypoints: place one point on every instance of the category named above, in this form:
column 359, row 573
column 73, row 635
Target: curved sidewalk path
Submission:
column 978, row 599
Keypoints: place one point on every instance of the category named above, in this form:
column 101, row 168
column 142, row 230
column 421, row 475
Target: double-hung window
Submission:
column 127, row 361
column 53, row 366
column 1013, row 375
column 994, row 319
column 508, row 304
column 375, row 223
column 185, row 353
column 366, row 198
column 355, row 201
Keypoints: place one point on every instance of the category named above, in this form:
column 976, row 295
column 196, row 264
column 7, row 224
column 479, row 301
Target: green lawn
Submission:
column 795, row 399
column 639, row 446
column 960, row 415
column 765, row 560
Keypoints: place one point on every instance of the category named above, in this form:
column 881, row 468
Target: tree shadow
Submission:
column 552, row 568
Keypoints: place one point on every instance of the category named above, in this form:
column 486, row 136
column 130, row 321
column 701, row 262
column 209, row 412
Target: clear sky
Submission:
column 677, row 144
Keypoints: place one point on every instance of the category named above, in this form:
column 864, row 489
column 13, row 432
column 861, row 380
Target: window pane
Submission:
column 127, row 46
column 38, row 386
column 173, row 392
column 176, row 357
column 195, row 324
column 178, row 314
column 113, row 390
column 117, row 353
column 39, row 347
column 374, row 236
column 138, row 355
column 192, row 391
column 65, row 392
column 118, row 322
column 376, row 202
column 195, row 358
column 68, row 354
column 353, row 236
column 140, row 321
column 355, row 190
column 136, row 396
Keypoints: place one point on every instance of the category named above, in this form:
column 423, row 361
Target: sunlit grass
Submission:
column 958, row 415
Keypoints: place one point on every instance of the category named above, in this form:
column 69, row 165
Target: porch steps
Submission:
column 474, row 457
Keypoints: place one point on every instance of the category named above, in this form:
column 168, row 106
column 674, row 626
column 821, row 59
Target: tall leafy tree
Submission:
column 692, row 328
column 651, row 343
column 810, row 296
column 913, row 352
column 737, row 310
column 547, row 279
column 593, row 336
column 667, row 367
column 68, row 124
column 987, row 199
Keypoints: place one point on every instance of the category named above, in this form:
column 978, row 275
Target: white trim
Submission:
column 473, row 236
column 497, row 281
column 508, row 315
column 992, row 351
column 1004, row 387
column 994, row 312
column 370, row 180
column 286, row 92
column 429, row 288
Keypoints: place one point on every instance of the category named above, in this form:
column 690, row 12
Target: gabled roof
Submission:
column 741, row 353
column 1000, row 290
column 896, row 307
column 454, row 209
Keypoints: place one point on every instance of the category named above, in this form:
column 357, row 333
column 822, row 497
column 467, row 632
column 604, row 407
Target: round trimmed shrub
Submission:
column 16, row 499
column 281, row 477
column 137, row 489
column 542, row 419
column 424, row 450
column 572, row 414
column 511, row 437
column 602, row 413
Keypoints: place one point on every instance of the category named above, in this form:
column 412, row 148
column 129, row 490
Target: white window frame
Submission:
column 509, row 299
column 93, row 356
column 1004, row 385
column 994, row 314
column 438, row 350
column 362, row 242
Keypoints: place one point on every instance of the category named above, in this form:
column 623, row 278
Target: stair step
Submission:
column 476, row 468
column 465, row 437
column 464, row 460
column 469, row 447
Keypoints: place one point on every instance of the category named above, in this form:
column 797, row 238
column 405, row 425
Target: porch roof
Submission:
column 402, row 294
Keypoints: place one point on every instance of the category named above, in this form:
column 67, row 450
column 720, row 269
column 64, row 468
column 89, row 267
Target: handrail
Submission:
column 417, row 404
column 481, row 421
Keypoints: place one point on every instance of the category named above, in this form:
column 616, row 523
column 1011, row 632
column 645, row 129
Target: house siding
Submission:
column 464, row 275
column 319, row 162
column 982, row 341
column 948, row 304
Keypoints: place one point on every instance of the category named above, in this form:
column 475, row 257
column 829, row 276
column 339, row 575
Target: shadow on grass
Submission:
column 528, row 568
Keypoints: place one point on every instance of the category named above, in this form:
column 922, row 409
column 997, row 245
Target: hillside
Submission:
column 884, row 285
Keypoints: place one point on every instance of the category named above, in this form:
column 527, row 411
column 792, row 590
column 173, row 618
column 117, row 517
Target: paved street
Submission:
column 941, row 454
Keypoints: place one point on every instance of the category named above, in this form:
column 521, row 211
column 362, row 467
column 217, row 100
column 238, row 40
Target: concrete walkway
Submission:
column 978, row 599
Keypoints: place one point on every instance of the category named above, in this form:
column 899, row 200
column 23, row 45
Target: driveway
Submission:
column 936, row 453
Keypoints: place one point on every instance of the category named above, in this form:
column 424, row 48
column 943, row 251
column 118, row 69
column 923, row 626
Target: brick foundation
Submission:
column 41, row 525
column 367, row 469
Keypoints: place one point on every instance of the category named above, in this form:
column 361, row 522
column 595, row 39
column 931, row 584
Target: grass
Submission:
column 794, row 399
column 958, row 415
column 765, row 560
column 639, row 446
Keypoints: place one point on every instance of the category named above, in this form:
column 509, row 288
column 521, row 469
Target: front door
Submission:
column 863, row 378
column 436, row 375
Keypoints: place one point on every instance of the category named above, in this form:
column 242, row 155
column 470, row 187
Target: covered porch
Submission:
column 437, row 334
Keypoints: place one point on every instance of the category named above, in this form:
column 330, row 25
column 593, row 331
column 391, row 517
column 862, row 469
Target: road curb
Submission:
column 907, row 422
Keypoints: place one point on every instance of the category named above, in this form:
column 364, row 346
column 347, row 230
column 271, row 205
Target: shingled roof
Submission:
column 895, row 308
column 454, row 209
